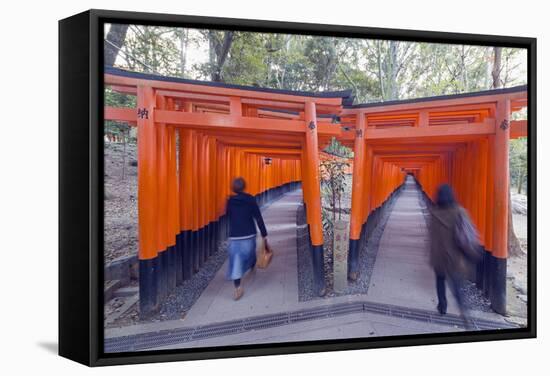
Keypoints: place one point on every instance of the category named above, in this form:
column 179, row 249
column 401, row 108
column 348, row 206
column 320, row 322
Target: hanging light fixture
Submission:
column 267, row 161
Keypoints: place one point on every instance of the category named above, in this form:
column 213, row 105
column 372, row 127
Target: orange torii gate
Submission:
column 194, row 137
column 461, row 140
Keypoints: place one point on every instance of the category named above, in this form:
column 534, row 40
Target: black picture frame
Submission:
column 81, row 187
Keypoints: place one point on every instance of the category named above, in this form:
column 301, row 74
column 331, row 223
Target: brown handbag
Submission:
column 265, row 254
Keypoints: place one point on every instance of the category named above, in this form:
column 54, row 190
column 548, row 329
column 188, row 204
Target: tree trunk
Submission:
column 333, row 188
column 380, row 70
column 393, row 70
column 219, row 50
column 520, row 182
column 114, row 41
column 514, row 248
column 497, row 56
column 184, row 39
column 463, row 69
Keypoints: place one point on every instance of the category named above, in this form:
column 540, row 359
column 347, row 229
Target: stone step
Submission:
column 126, row 291
column 129, row 302
column 110, row 287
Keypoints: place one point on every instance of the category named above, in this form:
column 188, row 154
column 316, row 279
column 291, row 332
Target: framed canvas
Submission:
column 234, row 187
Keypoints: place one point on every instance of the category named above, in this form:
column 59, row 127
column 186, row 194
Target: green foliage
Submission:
column 333, row 183
column 328, row 225
column 152, row 49
column 375, row 70
column 518, row 164
column 247, row 63
column 114, row 99
column 336, row 148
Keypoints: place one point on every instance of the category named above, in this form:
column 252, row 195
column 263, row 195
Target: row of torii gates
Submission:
column 194, row 137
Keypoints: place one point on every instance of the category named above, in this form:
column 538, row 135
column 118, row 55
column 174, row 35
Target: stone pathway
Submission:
column 402, row 274
column 265, row 290
column 401, row 277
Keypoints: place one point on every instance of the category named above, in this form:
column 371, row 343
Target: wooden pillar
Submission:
column 195, row 249
column 173, row 204
column 367, row 185
column 357, row 196
column 200, row 198
column 147, row 193
column 501, row 191
column 163, row 228
column 205, row 168
column 212, row 178
column 186, row 188
column 314, row 205
column 483, row 190
column 222, row 190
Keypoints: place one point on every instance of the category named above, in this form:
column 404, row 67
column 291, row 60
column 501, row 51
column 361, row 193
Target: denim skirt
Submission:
column 242, row 257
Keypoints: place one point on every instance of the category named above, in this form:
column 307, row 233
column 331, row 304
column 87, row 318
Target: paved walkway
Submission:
column 402, row 273
column 265, row 290
column 401, row 277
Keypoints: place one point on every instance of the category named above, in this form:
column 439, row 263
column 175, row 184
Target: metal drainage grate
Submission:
column 170, row 337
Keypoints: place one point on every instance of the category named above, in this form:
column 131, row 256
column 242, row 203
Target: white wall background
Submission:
column 28, row 185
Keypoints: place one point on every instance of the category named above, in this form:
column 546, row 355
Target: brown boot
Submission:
column 238, row 293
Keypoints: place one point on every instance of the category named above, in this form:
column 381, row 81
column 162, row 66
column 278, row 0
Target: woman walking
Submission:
column 447, row 258
column 242, row 210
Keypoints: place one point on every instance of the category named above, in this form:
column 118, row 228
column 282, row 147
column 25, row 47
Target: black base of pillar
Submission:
column 318, row 269
column 179, row 259
column 206, row 241
column 213, row 237
column 187, row 255
column 171, row 269
column 195, row 250
column 480, row 273
column 202, row 245
column 223, row 228
column 363, row 237
column 353, row 259
column 209, row 231
column 495, row 282
column 148, row 299
column 162, row 275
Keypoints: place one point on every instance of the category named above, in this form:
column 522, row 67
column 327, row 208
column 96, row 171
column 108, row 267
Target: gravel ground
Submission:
column 474, row 298
column 182, row 299
column 520, row 229
column 516, row 274
column 519, row 203
column 367, row 258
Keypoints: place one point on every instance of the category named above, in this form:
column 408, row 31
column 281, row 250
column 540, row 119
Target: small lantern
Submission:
column 267, row 161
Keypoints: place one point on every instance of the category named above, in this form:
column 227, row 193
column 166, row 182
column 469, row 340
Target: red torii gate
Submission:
column 461, row 140
column 224, row 131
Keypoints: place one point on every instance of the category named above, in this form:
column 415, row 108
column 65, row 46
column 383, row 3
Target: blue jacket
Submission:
column 242, row 209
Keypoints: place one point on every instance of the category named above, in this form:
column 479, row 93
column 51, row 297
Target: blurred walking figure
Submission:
column 242, row 210
column 454, row 242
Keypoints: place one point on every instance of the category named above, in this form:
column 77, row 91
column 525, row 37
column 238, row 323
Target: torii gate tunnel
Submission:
column 194, row 137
